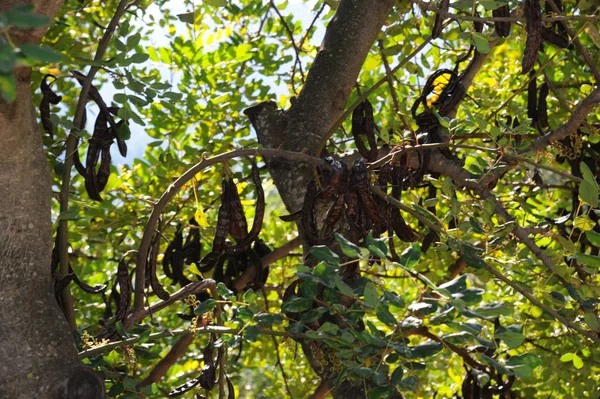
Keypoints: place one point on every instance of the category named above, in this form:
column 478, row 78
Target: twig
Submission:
column 569, row 127
column 285, row 381
column 578, row 45
column 177, row 351
column 63, row 231
column 218, row 330
column 390, row 80
column 446, row 14
column 196, row 287
column 176, row 186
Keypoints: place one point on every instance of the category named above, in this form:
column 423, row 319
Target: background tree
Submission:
column 440, row 254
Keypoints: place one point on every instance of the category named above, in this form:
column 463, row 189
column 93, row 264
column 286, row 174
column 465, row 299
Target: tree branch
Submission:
column 63, row 231
column 176, row 186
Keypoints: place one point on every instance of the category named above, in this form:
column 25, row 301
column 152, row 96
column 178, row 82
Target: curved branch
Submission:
column 176, row 186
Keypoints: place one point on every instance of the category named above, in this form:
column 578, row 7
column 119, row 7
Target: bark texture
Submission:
column 39, row 357
column 348, row 39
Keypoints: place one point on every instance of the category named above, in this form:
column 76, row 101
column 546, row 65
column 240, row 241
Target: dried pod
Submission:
column 126, row 290
column 259, row 214
column 542, row 108
column 361, row 185
column 532, row 98
column 556, row 39
column 239, row 226
column 439, row 19
column 154, row 283
column 533, row 14
column 363, row 125
column 48, row 97
column 502, row 27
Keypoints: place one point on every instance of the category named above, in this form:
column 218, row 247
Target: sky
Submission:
column 161, row 38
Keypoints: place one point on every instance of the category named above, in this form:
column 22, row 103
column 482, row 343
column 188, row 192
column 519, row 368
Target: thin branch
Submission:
column 177, row 351
column 218, row 330
column 578, row 45
column 570, row 127
column 63, row 231
column 283, row 375
column 194, row 288
column 457, row 17
column 173, row 189
column 390, row 80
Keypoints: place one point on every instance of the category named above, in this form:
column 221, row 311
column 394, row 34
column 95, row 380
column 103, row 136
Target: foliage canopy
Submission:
column 501, row 277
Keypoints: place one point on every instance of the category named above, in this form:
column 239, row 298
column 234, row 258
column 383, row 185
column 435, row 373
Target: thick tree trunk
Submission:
column 349, row 37
column 39, row 357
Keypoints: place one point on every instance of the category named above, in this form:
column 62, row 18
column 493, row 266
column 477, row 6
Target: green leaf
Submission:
column 511, row 335
column 41, row 54
column 137, row 58
column 473, row 260
column 371, row 294
column 22, row 17
column 409, row 384
column 394, row 299
column 425, row 350
column 495, row 364
column 457, row 285
column 328, row 328
column 588, row 188
column 7, row 59
column 493, row 310
column 385, row 316
column 377, row 246
column 567, row 357
column 523, row 365
column 297, row 304
column 133, row 40
column 593, row 237
column 481, row 42
column 215, row 3
column 397, row 375
column 348, row 248
column 341, row 286
column 325, row 254
column 410, row 256
column 124, row 132
column 490, row 5
column 205, row 306
column 187, row 17
column 577, row 362
column 592, row 321
column 584, row 223
column 586, row 259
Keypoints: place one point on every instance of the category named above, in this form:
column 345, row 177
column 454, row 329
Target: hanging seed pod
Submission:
column 48, row 97
column 542, row 108
column 363, row 124
column 532, row 98
column 154, row 283
column 554, row 38
column 502, row 27
column 533, row 14
column 259, row 214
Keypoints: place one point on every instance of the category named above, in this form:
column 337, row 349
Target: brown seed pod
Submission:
column 542, row 108
column 533, row 14
column 439, row 19
column 554, row 38
column 532, row 98
column 259, row 214
column 502, row 27
column 154, row 283
column 361, row 179
column 363, row 125
column 48, row 97
column 239, row 226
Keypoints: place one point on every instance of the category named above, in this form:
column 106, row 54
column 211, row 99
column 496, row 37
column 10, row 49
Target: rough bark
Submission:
column 348, row 39
column 38, row 351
